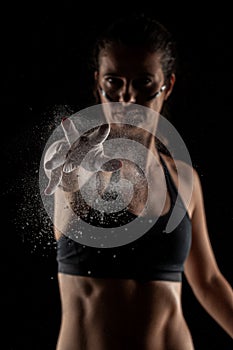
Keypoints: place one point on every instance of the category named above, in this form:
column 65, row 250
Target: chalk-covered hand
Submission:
column 67, row 154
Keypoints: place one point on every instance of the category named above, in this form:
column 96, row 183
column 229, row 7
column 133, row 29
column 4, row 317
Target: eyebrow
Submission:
column 139, row 75
column 112, row 74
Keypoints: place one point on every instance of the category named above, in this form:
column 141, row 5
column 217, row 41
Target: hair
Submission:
column 139, row 30
column 135, row 30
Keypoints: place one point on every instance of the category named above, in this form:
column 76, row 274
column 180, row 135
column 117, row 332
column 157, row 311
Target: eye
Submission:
column 113, row 82
column 142, row 82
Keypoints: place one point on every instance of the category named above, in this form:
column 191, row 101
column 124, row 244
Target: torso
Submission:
column 122, row 314
column 115, row 314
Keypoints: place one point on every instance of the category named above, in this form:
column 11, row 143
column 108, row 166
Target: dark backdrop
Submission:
column 44, row 51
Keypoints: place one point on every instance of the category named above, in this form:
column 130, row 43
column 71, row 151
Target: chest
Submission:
column 142, row 192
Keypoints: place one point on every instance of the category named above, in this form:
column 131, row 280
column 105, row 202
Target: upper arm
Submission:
column 201, row 264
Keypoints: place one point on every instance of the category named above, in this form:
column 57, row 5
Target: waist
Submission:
column 125, row 312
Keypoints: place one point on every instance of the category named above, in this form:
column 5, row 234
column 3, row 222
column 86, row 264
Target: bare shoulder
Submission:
column 179, row 168
column 186, row 179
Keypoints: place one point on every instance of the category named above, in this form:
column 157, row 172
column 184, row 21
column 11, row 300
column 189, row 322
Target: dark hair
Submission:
column 139, row 30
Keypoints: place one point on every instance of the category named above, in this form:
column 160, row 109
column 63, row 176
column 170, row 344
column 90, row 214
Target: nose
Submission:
column 127, row 94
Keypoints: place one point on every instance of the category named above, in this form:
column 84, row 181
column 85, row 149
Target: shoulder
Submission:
column 186, row 180
column 180, row 168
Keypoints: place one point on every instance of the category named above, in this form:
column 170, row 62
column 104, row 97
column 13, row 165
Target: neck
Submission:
column 138, row 135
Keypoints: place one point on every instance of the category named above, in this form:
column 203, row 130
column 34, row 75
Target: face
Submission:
column 128, row 80
column 132, row 75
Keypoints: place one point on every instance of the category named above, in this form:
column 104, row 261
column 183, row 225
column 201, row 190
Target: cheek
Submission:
column 155, row 104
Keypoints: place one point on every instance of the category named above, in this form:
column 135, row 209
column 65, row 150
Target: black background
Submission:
column 44, row 49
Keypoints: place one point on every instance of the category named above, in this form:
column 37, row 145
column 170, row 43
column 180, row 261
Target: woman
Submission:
column 129, row 296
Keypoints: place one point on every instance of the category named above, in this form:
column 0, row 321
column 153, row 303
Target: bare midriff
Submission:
column 118, row 314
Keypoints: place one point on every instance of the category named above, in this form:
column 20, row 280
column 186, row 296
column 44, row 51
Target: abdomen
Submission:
column 105, row 314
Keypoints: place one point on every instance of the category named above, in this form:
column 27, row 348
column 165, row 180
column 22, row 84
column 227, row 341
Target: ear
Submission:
column 96, row 87
column 96, row 75
column 170, row 86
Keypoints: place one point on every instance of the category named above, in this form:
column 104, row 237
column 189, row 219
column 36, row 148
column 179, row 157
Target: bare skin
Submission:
column 105, row 314
column 129, row 314
column 118, row 314
column 122, row 314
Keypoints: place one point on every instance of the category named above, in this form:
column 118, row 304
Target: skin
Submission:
column 105, row 314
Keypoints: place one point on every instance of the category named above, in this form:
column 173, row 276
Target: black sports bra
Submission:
column 156, row 255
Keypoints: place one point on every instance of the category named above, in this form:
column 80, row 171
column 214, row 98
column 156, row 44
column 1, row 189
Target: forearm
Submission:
column 217, row 299
column 69, row 204
column 74, row 181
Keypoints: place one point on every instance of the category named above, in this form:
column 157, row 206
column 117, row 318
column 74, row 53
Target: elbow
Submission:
column 202, row 286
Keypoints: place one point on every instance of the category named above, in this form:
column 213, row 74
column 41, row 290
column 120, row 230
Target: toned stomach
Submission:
column 115, row 314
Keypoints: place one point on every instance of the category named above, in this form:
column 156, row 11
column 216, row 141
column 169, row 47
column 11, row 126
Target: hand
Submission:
column 67, row 154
